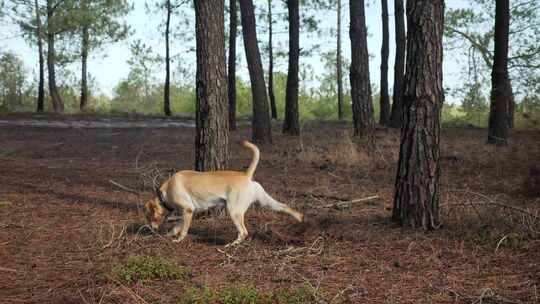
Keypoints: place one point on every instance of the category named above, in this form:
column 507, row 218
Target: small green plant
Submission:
column 145, row 268
column 497, row 239
column 250, row 295
column 8, row 152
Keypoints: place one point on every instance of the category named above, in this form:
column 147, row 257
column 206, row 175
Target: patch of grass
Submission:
column 145, row 268
column 4, row 204
column 497, row 239
column 250, row 295
column 8, row 152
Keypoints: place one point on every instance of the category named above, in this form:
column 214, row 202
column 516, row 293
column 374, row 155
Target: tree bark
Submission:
column 233, row 24
column 339, row 73
column 212, row 122
column 396, row 118
column 291, row 123
column 167, row 88
column 384, row 99
column 58, row 105
column 271, row 95
column 41, row 84
column 84, row 62
column 500, row 116
column 416, row 201
column 362, row 104
column 261, row 127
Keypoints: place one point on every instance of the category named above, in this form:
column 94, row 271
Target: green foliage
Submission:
column 249, row 295
column 16, row 93
column 103, row 20
column 492, row 237
column 145, row 268
column 470, row 31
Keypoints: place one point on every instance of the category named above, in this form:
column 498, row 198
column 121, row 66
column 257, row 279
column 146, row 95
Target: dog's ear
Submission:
column 159, row 194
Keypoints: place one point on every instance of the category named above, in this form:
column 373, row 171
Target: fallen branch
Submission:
column 490, row 201
column 8, row 269
column 345, row 204
column 124, row 187
column 487, row 296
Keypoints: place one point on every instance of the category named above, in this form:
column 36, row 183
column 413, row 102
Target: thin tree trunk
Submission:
column 271, row 95
column 261, row 127
column 501, row 89
column 396, row 118
column 384, row 99
column 362, row 104
column 232, row 63
column 58, row 105
column 84, row 73
column 41, row 83
column 291, row 123
column 166, row 89
column 212, row 123
column 338, row 64
column 416, row 202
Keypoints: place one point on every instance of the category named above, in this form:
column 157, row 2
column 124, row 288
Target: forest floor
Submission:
column 69, row 235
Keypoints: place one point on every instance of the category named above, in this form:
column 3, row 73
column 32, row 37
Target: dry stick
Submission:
column 8, row 269
column 123, row 187
column 132, row 293
column 490, row 201
column 345, row 203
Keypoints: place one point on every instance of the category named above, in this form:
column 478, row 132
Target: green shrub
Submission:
column 145, row 268
column 250, row 295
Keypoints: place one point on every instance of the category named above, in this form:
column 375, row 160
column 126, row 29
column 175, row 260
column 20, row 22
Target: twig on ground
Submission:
column 490, row 201
column 82, row 297
column 344, row 204
column 124, row 187
column 111, row 241
column 9, row 269
column 487, row 296
column 132, row 293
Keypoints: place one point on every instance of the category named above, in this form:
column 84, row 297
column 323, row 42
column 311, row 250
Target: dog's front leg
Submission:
column 187, row 215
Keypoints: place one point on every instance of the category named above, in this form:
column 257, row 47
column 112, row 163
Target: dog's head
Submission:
column 154, row 213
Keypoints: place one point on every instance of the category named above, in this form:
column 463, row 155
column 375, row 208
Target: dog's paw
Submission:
column 179, row 239
column 171, row 233
column 233, row 244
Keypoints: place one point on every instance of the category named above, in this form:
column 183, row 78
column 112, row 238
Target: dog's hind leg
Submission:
column 237, row 205
column 266, row 200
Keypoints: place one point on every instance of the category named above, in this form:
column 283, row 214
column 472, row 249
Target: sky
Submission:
column 110, row 66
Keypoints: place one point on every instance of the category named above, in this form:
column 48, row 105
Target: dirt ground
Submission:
column 63, row 224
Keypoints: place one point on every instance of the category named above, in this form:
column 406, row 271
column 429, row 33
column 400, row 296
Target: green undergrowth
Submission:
column 145, row 268
column 498, row 239
column 250, row 295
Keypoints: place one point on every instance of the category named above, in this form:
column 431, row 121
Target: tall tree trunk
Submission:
column 291, row 123
column 362, row 103
column 416, row 202
column 232, row 63
column 166, row 89
column 338, row 65
column 58, row 105
column 212, row 123
column 384, row 99
column 396, row 118
column 84, row 73
column 41, row 83
column 501, row 89
column 261, row 127
column 271, row 95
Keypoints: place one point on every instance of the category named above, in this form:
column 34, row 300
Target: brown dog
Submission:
column 194, row 191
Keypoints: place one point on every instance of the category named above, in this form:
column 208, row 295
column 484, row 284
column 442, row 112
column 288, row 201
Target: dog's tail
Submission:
column 256, row 154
